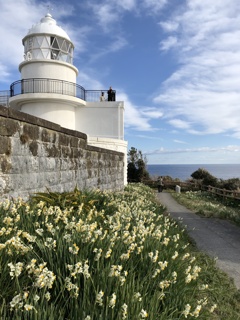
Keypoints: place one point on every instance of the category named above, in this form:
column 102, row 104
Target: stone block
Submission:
column 5, row 145
column 8, row 127
column 32, row 132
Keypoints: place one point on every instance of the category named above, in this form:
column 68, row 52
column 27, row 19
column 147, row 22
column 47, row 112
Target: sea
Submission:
column 183, row 171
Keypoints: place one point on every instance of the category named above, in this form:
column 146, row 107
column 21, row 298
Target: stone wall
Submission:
column 36, row 154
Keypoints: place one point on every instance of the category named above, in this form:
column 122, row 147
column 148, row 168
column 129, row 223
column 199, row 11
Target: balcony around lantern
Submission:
column 53, row 86
column 99, row 120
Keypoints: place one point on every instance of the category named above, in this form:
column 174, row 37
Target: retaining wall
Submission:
column 36, row 154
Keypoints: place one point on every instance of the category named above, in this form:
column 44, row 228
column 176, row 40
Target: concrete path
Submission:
column 220, row 239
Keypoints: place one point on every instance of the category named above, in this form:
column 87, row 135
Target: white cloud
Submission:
column 152, row 113
column 89, row 82
column 204, row 90
column 110, row 12
column 230, row 149
column 179, row 141
column 168, row 43
column 148, row 137
column 177, row 123
column 4, row 73
column 127, row 4
column 116, row 44
column 105, row 15
column 154, row 5
column 169, row 26
column 133, row 117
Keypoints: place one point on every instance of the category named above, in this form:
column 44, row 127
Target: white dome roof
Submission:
column 48, row 25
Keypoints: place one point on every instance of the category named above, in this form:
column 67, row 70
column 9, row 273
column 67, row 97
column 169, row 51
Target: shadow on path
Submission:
column 220, row 239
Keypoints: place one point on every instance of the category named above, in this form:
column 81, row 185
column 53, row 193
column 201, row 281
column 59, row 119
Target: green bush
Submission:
column 230, row 184
column 205, row 177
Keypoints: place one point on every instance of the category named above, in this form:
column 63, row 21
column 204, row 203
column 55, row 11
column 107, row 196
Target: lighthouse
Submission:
column 48, row 77
column 48, row 89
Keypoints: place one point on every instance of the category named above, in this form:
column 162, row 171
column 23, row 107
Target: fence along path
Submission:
column 224, row 193
column 233, row 194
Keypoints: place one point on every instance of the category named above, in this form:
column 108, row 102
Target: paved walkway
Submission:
column 218, row 238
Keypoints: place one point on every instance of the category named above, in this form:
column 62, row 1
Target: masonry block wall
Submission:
column 36, row 154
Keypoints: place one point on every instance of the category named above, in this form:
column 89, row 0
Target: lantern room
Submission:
column 46, row 40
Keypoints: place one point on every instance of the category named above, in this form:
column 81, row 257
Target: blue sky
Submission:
column 175, row 64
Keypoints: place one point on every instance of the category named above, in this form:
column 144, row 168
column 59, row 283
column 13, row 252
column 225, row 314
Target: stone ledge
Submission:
column 21, row 116
column 93, row 148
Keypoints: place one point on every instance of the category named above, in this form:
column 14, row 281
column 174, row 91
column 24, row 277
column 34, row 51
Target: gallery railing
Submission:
column 94, row 95
column 53, row 86
column 4, row 98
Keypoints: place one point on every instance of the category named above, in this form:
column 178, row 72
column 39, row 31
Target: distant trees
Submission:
column 205, row 177
column 137, row 166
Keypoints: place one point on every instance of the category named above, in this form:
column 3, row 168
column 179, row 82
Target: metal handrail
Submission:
column 55, row 86
column 94, row 95
column 45, row 85
column 4, row 97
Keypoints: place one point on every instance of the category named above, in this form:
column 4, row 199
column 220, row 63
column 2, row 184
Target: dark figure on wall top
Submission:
column 111, row 94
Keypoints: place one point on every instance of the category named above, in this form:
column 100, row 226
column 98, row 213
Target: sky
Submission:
column 174, row 63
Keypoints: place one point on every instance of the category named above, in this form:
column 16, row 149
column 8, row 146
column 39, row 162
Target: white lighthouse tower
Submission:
column 48, row 87
column 48, row 90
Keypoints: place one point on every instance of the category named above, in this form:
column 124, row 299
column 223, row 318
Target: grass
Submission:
column 105, row 256
column 209, row 205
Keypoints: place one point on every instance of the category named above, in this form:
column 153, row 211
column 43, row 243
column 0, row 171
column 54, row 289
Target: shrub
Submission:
column 205, row 177
column 230, row 184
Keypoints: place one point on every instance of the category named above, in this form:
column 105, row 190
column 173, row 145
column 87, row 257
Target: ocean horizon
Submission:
column 184, row 171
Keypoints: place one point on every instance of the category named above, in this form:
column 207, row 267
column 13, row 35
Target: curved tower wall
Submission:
column 48, row 69
column 55, row 111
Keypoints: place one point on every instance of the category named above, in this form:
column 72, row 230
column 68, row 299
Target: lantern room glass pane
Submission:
column 49, row 47
column 45, row 42
column 65, row 46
